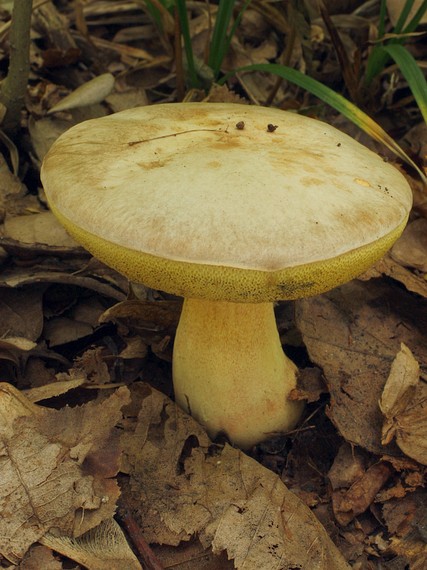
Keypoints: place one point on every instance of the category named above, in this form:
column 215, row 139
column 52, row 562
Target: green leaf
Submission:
column 181, row 7
column 335, row 100
column 412, row 73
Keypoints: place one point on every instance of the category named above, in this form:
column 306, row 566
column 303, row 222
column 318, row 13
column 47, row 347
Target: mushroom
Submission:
column 183, row 199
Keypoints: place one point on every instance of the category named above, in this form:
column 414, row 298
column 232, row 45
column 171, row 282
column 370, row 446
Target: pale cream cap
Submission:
column 223, row 212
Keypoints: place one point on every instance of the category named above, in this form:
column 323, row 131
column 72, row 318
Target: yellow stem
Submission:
column 230, row 371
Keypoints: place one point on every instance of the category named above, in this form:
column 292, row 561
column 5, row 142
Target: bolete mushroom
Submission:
column 209, row 202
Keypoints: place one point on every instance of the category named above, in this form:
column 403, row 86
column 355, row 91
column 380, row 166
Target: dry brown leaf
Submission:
column 387, row 266
column 410, row 250
column 101, row 548
column 183, row 486
column 93, row 364
column 406, row 519
column 353, row 334
column 93, row 91
column 21, row 312
column 404, row 405
column 55, row 469
column 347, row 468
column 105, row 282
column 40, row 557
column 54, row 389
column 42, row 227
column 350, row 503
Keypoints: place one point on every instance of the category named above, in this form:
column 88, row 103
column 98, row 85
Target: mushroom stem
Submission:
column 230, row 371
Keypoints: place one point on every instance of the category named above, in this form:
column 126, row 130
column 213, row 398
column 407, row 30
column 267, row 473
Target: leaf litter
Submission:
column 77, row 339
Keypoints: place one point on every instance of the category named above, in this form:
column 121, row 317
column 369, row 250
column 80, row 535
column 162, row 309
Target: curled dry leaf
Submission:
column 55, row 469
column 184, row 486
column 74, row 380
column 350, row 503
column 404, row 405
column 101, row 548
column 388, row 266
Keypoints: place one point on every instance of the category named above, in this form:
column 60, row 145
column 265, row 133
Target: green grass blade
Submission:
column 415, row 20
column 335, row 100
column 181, row 8
column 412, row 73
column 218, row 44
column 383, row 13
column 403, row 16
column 233, row 29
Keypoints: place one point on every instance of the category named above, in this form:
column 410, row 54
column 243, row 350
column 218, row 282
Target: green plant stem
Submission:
column 14, row 86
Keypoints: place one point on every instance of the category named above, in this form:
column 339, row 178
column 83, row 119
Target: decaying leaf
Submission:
column 353, row 334
column 40, row 557
column 54, row 389
column 410, row 250
column 55, row 468
column 184, row 486
column 348, row 503
column 388, row 266
column 93, row 91
column 42, row 227
column 404, row 405
column 406, row 519
column 101, row 548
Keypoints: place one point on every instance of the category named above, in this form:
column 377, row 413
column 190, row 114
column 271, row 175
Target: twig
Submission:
column 145, row 552
column 14, row 86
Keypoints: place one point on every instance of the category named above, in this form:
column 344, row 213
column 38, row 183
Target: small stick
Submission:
column 145, row 552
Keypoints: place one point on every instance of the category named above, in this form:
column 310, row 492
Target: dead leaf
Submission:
column 406, row 519
column 410, row 250
column 55, row 388
column 101, row 548
column 21, row 312
column 347, row 468
column 91, row 92
column 38, row 228
column 387, row 266
column 183, row 487
column 350, row 503
column 56, row 468
column 62, row 330
column 353, row 334
column 404, row 405
column 39, row 557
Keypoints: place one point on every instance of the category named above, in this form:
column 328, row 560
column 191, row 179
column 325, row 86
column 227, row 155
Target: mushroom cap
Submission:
column 178, row 197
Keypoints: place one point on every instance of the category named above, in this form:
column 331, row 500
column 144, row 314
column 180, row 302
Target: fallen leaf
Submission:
column 404, row 405
column 353, row 334
column 21, row 312
column 410, row 250
column 42, row 227
column 406, row 519
column 101, row 548
column 91, row 92
column 182, row 487
column 347, row 468
column 55, row 468
column 39, row 557
column 348, row 504
column 55, row 389
column 387, row 266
